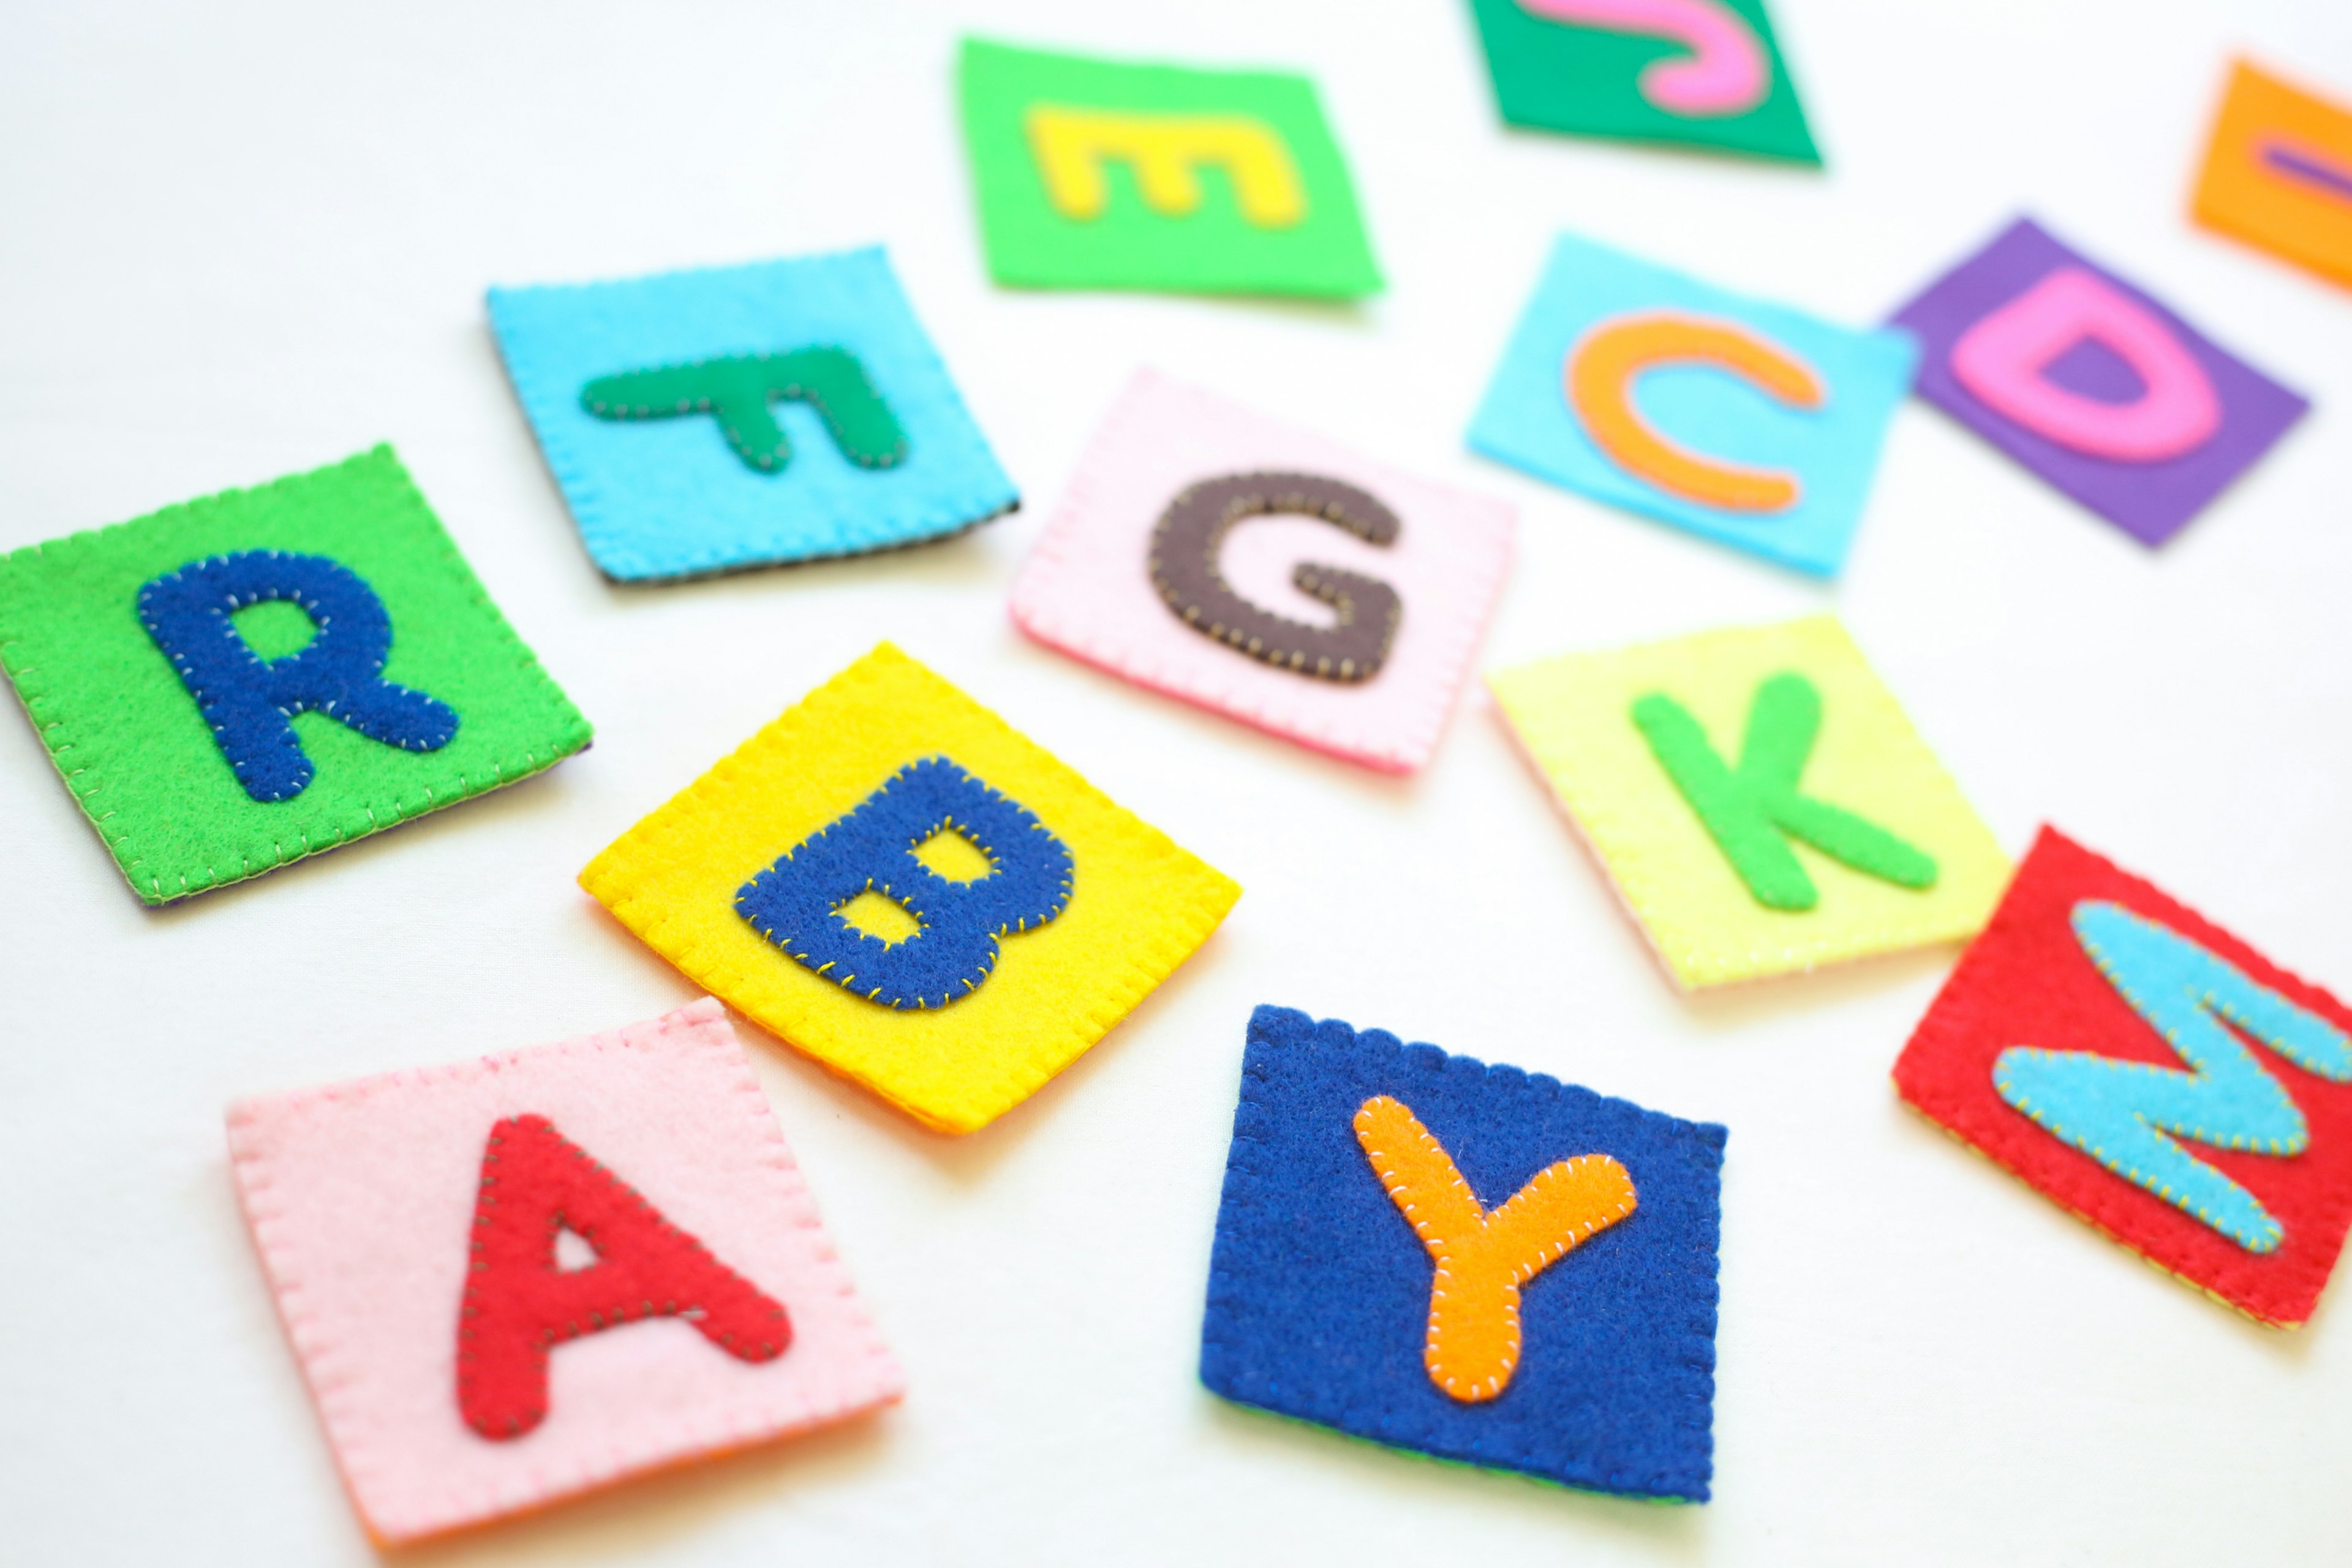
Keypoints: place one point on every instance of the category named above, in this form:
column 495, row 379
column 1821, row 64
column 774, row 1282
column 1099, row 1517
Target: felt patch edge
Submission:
column 1690, row 970
column 874, row 1380
column 611, row 879
column 60, row 735
column 1040, row 573
column 1289, row 1028
column 581, row 501
column 2121, row 1207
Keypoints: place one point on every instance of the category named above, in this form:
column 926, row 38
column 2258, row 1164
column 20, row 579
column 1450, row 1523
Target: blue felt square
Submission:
column 1831, row 450
column 1319, row 1290
column 670, row 496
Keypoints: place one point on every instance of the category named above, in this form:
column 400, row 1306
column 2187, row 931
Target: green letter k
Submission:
column 1746, row 811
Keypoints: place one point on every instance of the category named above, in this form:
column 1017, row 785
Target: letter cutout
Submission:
column 1603, row 366
column 1748, row 810
column 2119, row 1112
column 2308, row 167
column 1482, row 1257
column 1191, row 535
column 521, row 1303
column 2003, row 359
column 737, row 390
column 1071, row 144
column 796, row 904
column 1727, row 71
column 249, row 701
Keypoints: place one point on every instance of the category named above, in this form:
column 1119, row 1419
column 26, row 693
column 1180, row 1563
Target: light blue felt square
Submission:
column 670, row 497
column 1831, row 452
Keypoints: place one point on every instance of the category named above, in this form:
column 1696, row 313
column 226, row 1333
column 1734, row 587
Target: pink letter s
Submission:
column 1724, row 73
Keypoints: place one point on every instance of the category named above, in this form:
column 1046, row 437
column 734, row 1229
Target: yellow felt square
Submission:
column 1574, row 716
column 1139, row 904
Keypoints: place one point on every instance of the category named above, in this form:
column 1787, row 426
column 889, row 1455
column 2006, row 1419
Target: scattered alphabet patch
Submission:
column 891, row 879
column 1097, row 173
column 1468, row 1261
column 1742, row 421
column 733, row 416
column 2146, row 1070
column 2091, row 384
column 2278, row 173
column 515, row 1279
column 1266, row 572
column 1759, row 798
column 1690, row 73
column 233, row 683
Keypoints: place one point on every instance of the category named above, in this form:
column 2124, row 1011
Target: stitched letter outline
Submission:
column 1191, row 532
column 520, row 1303
column 2119, row 1112
column 1747, row 809
column 1604, row 364
column 1724, row 73
column 738, row 389
column 1480, row 1257
column 1071, row 144
column 249, row 701
column 2003, row 361
column 797, row 902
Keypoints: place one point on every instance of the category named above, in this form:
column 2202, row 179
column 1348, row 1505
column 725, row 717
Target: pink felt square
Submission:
column 1088, row 588
column 362, row 1199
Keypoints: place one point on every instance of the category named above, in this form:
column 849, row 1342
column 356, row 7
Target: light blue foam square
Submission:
column 670, row 497
column 1527, row 419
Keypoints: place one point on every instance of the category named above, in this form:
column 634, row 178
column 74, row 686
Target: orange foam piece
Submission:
column 2275, row 172
column 1482, row 1257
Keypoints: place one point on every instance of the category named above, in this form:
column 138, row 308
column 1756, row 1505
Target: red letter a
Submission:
column 519, row 1305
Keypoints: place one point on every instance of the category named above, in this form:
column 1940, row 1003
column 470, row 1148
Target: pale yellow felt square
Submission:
column 1140, row 903
column 1573, row 715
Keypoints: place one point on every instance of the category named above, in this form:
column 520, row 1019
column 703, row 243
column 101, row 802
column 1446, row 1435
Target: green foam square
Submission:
column 136, row 751
column 1318, row 250
column 1551, row 73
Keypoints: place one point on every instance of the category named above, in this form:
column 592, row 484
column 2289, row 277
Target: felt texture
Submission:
column 683, row 497
column 737, row 390
column 138, row 749
column 1087, row 589
column 521, row 1301
column 1747, row 809
column 361, row 1200
column 251, row 702
column 2278, row 173
column 1089, row 175
column 1480, row 1257
column 1137, row 905
column 1575, row 716
column 2086, row 963
column 795, row 902
column 1319, row 1290
column 1705, row 74
column 2049, row 356
column 1796, row 414
column 1191, row 535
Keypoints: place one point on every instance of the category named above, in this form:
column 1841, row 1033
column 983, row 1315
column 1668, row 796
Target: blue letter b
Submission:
column 250, row 701
column 794, row 903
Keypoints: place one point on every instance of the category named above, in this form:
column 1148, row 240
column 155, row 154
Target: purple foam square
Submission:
column 2150, row 498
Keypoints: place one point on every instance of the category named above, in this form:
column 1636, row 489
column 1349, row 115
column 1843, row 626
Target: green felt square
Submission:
column 1589, row 80
column 135, row 748
column 1271, row 209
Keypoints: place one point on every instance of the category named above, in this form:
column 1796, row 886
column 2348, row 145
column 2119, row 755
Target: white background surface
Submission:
column 241, row 240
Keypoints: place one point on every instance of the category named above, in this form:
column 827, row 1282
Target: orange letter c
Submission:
column 1602, row 369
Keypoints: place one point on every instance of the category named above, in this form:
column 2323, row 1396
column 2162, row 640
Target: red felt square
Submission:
column 2029, row 982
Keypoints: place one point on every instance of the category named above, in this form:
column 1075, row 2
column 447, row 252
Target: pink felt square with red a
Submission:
column 513, row 1279
column 1120, row 581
